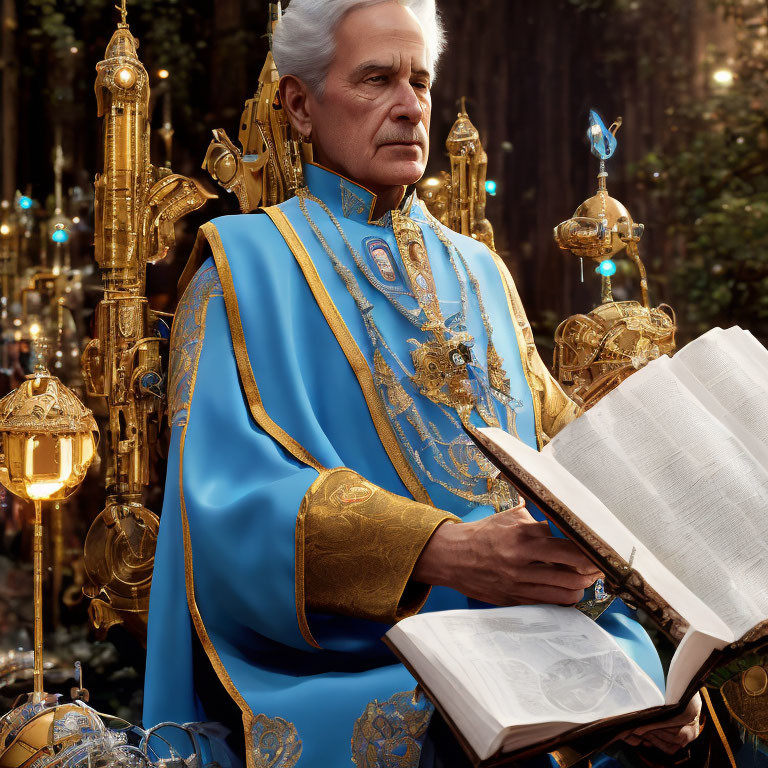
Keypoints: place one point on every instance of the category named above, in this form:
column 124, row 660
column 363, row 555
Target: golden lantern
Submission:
column 48, row 442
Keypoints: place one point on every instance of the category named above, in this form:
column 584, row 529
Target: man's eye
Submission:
column 377, row 79
column 421, row 85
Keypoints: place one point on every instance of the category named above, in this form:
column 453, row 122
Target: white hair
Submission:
column 304, row 41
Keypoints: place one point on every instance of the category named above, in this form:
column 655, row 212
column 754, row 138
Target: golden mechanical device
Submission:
column 137, row 206
column 457, row 199
column 595, row 352
column 268, row 169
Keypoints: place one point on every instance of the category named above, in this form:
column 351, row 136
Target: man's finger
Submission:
column 562, row 551
column 558, row 576
column 532, row 594
column 668, row 746
column 515, row 516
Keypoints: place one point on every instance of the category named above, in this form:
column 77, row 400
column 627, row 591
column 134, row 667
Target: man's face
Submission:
column 372, row 122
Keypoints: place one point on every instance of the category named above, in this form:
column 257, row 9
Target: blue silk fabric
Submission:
column 233, row 493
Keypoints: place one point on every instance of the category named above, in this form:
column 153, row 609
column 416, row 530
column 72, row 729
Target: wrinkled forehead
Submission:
column 386, row 33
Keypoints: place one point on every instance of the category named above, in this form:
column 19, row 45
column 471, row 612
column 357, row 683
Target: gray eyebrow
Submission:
column 373, row 66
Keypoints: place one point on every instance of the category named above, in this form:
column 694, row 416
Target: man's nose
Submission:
column 408, row 105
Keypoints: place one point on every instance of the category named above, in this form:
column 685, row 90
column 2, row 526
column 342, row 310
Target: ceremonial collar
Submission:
column 351, row 199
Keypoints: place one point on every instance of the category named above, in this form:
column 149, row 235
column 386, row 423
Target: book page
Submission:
column 731, row 367
column 683, row 483
column 589, row 509
column 527, row 665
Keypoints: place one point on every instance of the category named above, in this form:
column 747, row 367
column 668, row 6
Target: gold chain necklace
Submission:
column 440, row 363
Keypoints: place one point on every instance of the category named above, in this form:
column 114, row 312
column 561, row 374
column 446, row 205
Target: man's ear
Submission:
column 293, row 96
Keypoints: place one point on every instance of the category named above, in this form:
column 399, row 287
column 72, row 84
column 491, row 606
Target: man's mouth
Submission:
column 405, row 143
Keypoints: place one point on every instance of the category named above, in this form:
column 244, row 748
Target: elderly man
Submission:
column 320, row 485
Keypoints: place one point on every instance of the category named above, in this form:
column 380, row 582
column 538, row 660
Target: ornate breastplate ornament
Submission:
column 440, row 362
column 443, row 368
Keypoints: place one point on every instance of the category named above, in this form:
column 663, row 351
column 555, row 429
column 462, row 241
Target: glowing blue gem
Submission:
column 25, row 202
column 606, row 268
column 491, row 187
column 603, row 142
column 60, row 236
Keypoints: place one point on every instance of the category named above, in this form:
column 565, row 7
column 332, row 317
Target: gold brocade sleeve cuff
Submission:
column 357, row 546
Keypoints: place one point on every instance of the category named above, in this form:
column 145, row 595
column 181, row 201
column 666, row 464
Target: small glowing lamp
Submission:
column 25, row 203
column 60, row 234
column 126, row 77
column 5, row 229
column 48, row 440
column 163, row 74
column 491, row 187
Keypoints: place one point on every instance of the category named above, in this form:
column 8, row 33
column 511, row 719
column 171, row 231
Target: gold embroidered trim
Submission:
column 258, row 411
column 186, row 337
column 300, row 589
column 360, row 545
column 392, row 732
column 189, row 581
column 352, row 353
column 276, row 743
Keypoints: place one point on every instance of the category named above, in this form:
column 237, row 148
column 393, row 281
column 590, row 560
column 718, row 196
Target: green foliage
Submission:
column 714, row 185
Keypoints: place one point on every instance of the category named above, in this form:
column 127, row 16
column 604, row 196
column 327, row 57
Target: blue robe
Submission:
column 299, row 492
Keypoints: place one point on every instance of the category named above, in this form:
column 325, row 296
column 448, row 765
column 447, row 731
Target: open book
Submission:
column 664, row 484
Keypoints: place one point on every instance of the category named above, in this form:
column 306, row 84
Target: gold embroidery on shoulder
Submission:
column 392, row 732
column 187, row 341
column 276, row 743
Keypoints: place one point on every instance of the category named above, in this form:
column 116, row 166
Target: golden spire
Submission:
column 123, row 12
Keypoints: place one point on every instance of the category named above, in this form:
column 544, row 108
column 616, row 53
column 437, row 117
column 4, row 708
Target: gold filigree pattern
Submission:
column 391, row 733
column 350, row 202
column 358, row 544
column 187, row 340
column 497, row 376
column 398, row 398
column 275, row 743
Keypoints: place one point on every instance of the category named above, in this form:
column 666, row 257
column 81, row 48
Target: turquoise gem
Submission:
column 491, row 187
column 60, row 236
column 25, row 202
column 606, row 268
column 603, row 142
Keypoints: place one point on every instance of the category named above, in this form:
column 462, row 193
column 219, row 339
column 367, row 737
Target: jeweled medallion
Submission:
column 380, row 255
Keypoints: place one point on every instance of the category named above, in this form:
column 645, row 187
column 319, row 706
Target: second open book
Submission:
column 664, row 483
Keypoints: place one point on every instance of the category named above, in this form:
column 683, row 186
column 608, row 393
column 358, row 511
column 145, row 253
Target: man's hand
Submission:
column 506, row 559
column 669, row 735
